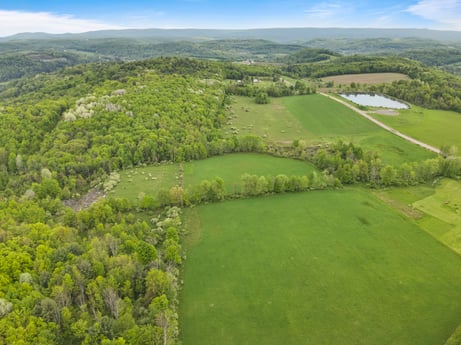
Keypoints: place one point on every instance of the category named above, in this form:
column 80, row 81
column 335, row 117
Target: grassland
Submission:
column 436, row 209
column 366, row 78
column 436, row 127
column 331, row 267
column 329, row 120
column 231, row 167
column 272, row 121
column 315, row 119
column 148, row 180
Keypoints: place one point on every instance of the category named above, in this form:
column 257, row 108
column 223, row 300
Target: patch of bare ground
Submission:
column 85, row 201
column 367, row 78
column 388, row 112
column 407, row 210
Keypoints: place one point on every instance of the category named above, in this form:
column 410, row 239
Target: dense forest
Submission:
column 109, row 274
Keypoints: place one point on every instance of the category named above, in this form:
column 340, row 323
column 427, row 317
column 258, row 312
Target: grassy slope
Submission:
column 315, row 118
column 231, row 167
column 436, row 209
column 272, row 121
column 331, row 267
column 444, row 206
column 436, row 127
column 329, row 120
column 146, row 180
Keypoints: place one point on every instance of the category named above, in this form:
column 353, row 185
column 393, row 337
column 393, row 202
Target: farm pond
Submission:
column 374, row 100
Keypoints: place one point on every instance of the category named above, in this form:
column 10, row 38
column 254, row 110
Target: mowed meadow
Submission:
column 435, row 127
column 325, row 267
column 318, row 119
column 150, row 179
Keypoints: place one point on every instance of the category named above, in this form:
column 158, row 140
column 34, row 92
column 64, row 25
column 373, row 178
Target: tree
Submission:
column 281, row 183
column 262, row 185
column 5, row 307
column 249, row 184
column 262, row 98
column 157, row 283
column 388, row 175
column 146, row 252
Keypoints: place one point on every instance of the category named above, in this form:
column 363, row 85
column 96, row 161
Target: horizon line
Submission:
column 228, row 29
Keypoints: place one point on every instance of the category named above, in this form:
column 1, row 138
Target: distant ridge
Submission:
column 282, row 35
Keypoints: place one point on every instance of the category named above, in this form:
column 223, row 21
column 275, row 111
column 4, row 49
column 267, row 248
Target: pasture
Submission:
column 325, row 267
column 231, row 167
column 444, row 207
column 316, row 119
column 436, row 208
column 146, row 180
column 366, row 78
column 329, row 120
column 150, row 179
column 436, row 127
column 272, row 121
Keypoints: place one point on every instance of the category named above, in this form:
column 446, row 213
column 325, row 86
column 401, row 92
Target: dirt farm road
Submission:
column 386, row 127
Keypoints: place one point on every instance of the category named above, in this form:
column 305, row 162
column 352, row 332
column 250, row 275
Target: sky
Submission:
column 62, row 16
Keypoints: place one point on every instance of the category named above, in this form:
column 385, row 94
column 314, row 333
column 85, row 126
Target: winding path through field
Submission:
column 382, row 125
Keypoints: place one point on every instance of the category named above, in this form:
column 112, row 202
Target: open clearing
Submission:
column 436, row 209
column 436, row 127
column 272, row 121
column 149, row 180
column 330, row 120
column 444, row 206
column 325, row 267
column 316, row 119
column 231, row 167
column 367, row 78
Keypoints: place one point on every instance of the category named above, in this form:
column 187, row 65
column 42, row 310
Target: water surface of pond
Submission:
column 374, row 100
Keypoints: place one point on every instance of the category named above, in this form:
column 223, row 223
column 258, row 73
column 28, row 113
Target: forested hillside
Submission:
column 107, row 274
column 24, row 55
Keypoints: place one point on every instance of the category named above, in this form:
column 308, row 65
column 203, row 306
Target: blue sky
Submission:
column 59, row 16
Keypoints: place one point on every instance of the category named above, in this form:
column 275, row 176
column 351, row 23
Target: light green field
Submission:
column 329, row 120
column 231, row 167
column 272, row 121
column 444, row 206
column 326, row 267
column 435, row 127
column 436, row 209
column 316, row 118
column 149, row 180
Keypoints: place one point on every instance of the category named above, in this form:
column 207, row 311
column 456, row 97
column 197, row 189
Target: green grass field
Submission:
column 436, row 209
column 444, row 211
column 436, row 127
column 325, row 267
column 147, row 180
column 315, row 118
column 272, row 121
column 231, row 167
column 329, row 120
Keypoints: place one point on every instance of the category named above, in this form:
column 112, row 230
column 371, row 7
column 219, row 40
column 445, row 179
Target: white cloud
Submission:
column 323, row 10
column 16, row 22
column 445, row 12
